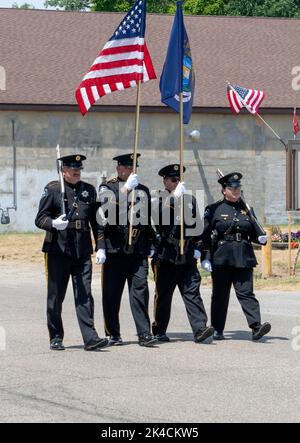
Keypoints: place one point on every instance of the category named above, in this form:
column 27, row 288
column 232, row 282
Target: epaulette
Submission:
column 215, row 204
column 53, row 183
column 113, row 180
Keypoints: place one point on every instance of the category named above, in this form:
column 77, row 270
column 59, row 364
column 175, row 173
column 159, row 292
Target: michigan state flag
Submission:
column 178, row 73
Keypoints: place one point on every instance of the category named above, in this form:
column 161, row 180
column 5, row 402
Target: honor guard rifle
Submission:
column 61, row 180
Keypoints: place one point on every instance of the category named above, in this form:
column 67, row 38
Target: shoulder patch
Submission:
column 207, row 212
column 45, row 193
column 103, row 188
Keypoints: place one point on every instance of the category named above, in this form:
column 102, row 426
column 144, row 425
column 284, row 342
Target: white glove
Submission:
column 59, row 223
column 197, row 254
column 100, row 257
column 132, row 182
column 179, row 190
column 206, row 265
column 263, row 239
column 152, row 252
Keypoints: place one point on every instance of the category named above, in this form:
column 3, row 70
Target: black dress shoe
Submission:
column 56, row 344
column 203, row 334
column 115, row 340
column 219, row 336
column 162, row 338
column 95, row 344
column 147, row 340
column 261, row 330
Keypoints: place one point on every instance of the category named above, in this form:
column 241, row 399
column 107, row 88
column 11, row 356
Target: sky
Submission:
column 38, row 4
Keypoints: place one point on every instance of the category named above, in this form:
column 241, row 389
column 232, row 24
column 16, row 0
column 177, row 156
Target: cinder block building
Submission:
column 44, row 55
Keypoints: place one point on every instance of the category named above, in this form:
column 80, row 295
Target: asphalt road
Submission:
column 231, row 381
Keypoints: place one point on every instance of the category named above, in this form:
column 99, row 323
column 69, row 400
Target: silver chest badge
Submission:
column 85, row 194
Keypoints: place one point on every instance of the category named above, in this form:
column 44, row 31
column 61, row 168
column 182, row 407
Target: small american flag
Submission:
column 295, row 123
column 123, row 61
column 239, row 97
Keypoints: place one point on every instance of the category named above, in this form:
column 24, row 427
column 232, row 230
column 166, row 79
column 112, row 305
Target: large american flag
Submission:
column 239, row 97
column 123, row 61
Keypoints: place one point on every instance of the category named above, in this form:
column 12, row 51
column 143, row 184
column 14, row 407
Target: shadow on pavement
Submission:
column 247, row 336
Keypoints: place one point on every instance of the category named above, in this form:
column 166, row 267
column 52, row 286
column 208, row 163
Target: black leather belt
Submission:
column 234, row 237
column 78, row 224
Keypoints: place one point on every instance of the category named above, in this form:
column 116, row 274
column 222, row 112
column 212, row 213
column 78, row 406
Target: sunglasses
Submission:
column 172, row 179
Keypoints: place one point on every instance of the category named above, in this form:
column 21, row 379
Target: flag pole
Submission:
column 181, row 174
column 293, row 122
column 136, row 140
column 257, row 114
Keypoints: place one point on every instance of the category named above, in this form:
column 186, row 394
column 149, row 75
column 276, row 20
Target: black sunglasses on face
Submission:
column 172, row 179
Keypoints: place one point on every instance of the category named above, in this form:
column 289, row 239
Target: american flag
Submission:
column 295, row 123
column 239, row 97
column 123, row 61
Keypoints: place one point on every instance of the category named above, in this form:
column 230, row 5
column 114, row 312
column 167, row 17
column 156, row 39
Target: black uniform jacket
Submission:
column 75, row 241
column 227, row 235
column 116, row 216
column 168, row 228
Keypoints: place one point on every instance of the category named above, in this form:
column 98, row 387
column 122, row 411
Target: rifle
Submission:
column 61, row 180
column 259, row 230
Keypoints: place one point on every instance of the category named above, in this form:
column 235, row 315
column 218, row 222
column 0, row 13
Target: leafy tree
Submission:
column 125, row 5
column 69, row 5
column 23, row 6
column 267, row 8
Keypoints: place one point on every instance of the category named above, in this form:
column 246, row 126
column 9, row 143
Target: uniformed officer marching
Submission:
column 172, row 269
column 122, row 262
column 68, row 249
column 227, row 236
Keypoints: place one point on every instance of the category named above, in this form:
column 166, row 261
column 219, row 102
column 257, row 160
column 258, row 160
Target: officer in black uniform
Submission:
column 172, row 269
column 123, row 262
column 68, row 249
column 227, row 236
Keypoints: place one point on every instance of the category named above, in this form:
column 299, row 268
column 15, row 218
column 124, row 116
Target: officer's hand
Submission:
column 60, row 223
column 152, row 252
column 179, row 190
column 206, row 265
column 263, row 239
column 100, row 257
column 132, row 182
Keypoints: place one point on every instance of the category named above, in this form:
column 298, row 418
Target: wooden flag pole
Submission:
column 136, row 140
column 181, row 175
column 248, row 109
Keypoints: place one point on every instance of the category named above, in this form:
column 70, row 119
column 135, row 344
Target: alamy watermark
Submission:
column 2, row 339
column 158, row 208
column 296, row 340
column 2, row 79
column 296, row 78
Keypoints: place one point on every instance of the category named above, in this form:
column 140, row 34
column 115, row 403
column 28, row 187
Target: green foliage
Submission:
column 23, row 6
column 69, row 5
column 158, row 6
column 267, row 8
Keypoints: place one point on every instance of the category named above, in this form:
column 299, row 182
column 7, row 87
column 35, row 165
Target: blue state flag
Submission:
column 178, row 73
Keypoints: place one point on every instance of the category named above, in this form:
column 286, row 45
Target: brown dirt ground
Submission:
column 26, row 249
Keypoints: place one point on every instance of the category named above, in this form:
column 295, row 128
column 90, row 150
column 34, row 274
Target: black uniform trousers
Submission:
column 118, row 269
column 242, row 279
column 59, row 268
column 167, row 276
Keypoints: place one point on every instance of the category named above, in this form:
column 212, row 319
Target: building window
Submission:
column 293, row 176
